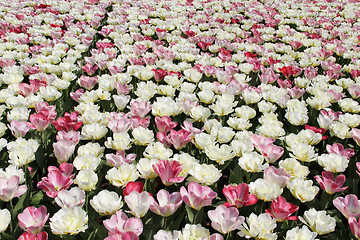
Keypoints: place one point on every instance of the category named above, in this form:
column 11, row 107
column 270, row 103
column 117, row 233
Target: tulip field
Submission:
column 179, row 119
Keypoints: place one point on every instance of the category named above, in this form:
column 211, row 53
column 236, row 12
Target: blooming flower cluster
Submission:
column 185, row 119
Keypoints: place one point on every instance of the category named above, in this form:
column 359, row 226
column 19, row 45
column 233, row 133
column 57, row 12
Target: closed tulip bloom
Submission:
column 106, row 202
column 120, row 223
column 197, row 196
column 238, row 196
column 63, row 150
column 18, row 128
column 164, row 124
column 168, row 171
column 139, row 203
column 281, row 210
column 9, row 188
column 329, row 184
column 133, row 186
column 32, row 236
column 167, row 203
column 33, row 219
column 354, row 226
column 75, row 197
column 225, row 219
column 39, row 121
column 348, row 206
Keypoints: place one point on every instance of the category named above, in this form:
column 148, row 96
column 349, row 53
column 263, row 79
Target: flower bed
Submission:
column 179, row 119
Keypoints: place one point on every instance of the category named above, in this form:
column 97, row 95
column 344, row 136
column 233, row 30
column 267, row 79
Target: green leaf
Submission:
column 7, row 236
column 190, row 213
column 36, row 198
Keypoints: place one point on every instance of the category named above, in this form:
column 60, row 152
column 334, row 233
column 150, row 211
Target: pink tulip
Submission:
column 63, row 150
column 180, row 138
column 296, row 92
column 77, row 94
column 137, row 121
column 260, row 140
column 33, row 219
column 140, row 108
column 113, row 69
column 159, row 74
column 354, row 226
column 119, row 123
column 296, row 44
column 119, row 158
column 188, row 126
column 47, row 109
column 122, row 88
column 57, row 179
column 167, row 203
column 164, row 138
column 75, row 197
column 9, row 188
column 271, row 152
column 32, row 236
column 68, row 136
column 18, row 128
column 39, row 121
column 348, row 206
column 329, row 184
column 68, row 123
column 338, row 148
column 88, row 82
column 123, row 236
column 277, row 175
column 168, row 171
column 133, row 186
column 89, row 68
column 224, row 55
column 164, row 124
column 281, row 210
column 238, row 196
column 225, row 219
column 197, row 196
column 120, row 223
column 355, row 133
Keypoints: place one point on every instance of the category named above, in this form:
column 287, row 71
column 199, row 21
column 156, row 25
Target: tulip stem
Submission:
column 164, row 223
column 228, row 236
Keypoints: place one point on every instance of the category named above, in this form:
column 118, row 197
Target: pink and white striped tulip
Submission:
column 238, row 196
column 139, row 203
column 225, row 219
column 197, row 196
column 120, row 223
column 167, row 203
column 354, row 226
column 32, row 236
column 168, row 171
column 348, row 206
column 9, row 188
column 33, row 219
column 329, row 184
column 75, row 197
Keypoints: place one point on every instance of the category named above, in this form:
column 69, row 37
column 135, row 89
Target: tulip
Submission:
column 106, row 202
column 123, row 236
column 75, row 197
column 63, row 150
column 9, row 188
column 5, row 219
column 271, row 152
column 67, row 123
column 277, row 175
column 338, row 148
column 197, row 196
column 133, row 186
column 238, row 196
column 164, row 124
column 33, row 219
column 32, row 236
column 168, row 171
column 18, row 128
column 225, row 219
column 354, row 226
column 348, row 206
column 281, row 210
column 120, row 223
column 139, row 203
column 39, row 121
column 329, row 184
column 179, row 138
column 167, row 203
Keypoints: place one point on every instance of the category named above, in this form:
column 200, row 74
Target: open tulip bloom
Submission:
column 186, row 119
